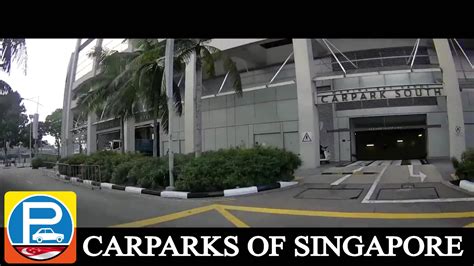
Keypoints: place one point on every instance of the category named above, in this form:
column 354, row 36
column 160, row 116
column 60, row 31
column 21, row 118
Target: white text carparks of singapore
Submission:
column 273, row 246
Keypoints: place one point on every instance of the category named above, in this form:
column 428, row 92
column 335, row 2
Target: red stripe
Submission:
column 35, row 250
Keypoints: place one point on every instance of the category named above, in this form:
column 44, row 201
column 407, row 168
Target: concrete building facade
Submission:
column 362, row 98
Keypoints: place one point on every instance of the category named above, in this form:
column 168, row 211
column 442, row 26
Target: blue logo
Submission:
column 40, row 227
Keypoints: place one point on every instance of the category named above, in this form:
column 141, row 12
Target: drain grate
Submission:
column 330, row 193
column 408, row 186
column 407, row 193
column 406, row 162
column 344, row 164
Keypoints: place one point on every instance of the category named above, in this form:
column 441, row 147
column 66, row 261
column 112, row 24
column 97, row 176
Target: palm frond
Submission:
column 12, row 50
column 231, row 67
column 178, row 104
column 208, row 63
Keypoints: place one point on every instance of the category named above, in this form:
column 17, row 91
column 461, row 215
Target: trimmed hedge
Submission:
column 465, row 167
column 40, row 162
column 212, row 171
column 108, row 161
column 237, row 167
column 36, row 163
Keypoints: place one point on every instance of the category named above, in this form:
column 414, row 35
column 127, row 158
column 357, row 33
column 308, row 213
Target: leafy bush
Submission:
column 36, row 163
column 214, row 170
column 76, row 159
column 120, row 174
column 179, row 162
column 465, row 167
column 47, row 157
column 236, row 167
column 150, row 173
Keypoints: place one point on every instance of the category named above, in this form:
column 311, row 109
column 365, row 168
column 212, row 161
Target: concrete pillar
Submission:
column 91, row 133
column 457, row 141
column 189, row 105
column 308, row 117
column 92, row 117
column 68, row 141
column 129, row 135
column 65, row 113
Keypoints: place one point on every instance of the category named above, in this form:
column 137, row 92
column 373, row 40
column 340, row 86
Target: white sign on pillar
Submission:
column 307, row 137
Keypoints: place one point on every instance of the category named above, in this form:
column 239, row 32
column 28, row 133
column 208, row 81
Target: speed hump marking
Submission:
column 307, row 137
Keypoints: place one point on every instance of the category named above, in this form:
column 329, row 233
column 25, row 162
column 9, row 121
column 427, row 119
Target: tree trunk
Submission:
column 122, row 140
column 155, row 134
column 197, row 113
column 58, row 144
column 79, row 139
column 5, row 149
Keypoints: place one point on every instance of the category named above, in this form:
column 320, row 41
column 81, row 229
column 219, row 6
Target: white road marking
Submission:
column 387, row 162
column 375, row 163
column 29, row 182
column 374, row 185
column 340, row 180
column 397, row 162
column 358, row 169
column 415, row 162
column 421, row 175
column 420, row 200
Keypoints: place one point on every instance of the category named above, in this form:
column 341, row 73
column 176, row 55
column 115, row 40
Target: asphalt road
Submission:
column 277, row 208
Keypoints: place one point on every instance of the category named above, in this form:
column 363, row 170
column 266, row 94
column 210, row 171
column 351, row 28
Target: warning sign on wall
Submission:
column 307, row 137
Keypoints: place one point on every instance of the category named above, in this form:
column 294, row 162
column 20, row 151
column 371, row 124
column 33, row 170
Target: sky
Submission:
column 45, row 78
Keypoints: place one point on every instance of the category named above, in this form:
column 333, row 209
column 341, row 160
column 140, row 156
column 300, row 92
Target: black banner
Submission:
column 269, row 246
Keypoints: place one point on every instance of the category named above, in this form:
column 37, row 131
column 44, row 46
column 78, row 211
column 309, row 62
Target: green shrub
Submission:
column 76, row 159
column 108, row 161
column 236, row 167
column 120, row 174
column 47, row 157
column 214, row 170
column 465, row 167
column 150, row 173
column 36, row 163
column 179, row 161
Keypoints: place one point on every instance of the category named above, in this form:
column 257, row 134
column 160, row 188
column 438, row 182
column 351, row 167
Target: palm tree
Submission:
column 206, row 58
column 149, row 79
column 129, row 82
column 110, row 92
column 10, row 50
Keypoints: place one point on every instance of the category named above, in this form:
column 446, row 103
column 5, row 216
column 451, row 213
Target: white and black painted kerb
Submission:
column 182, row 194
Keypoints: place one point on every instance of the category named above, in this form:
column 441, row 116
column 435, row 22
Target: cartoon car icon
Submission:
column 47, row 234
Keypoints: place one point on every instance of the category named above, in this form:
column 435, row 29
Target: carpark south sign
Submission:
column 378, row 93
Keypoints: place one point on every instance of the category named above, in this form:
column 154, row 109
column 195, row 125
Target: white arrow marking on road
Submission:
column 358, row 170
column 420, row 175
column 340, row 180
